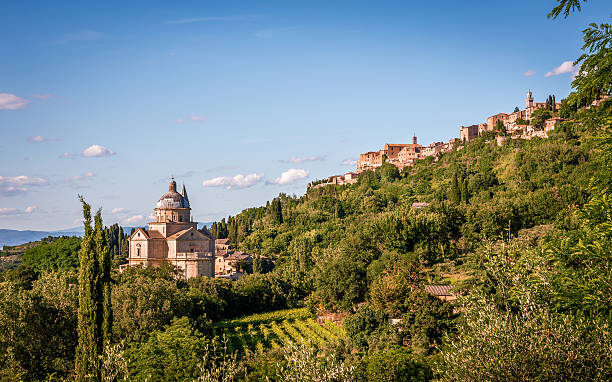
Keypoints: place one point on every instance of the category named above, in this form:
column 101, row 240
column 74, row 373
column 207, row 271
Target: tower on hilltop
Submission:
column 529, row 100
column 414, row 139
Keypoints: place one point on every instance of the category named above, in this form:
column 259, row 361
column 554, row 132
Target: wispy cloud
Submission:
column 349, row 162
column 43, row 96
column 191, row 20
column 290, row 176
column 529, row 73
column 87, row 175
column 16, row 185
column 117, row 210
column 181, row 175
column 97, row 151
column 272, row 32
column 40, row 138
column 256, row 140
column 225, row 167
column 565, row 67
column 192, row 118
column 236, row 181
column 12, row 102
column 15, row 211
column 303, row 159
column 83, row 35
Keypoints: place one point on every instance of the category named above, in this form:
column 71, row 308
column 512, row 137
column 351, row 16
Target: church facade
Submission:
column 173, row 238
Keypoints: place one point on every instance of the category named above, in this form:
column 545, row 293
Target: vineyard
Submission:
column 259, row 332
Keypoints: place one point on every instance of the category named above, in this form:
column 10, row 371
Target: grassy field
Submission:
column 259, row 332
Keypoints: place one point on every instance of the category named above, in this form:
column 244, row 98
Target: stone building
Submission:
column 468, row 133
column 173, row 238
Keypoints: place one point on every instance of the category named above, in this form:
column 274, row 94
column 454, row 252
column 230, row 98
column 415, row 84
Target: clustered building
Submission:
column 514, row 123
column 228, row 262
column 404, row 154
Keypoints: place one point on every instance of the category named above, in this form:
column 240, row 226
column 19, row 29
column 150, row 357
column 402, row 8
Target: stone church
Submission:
column 173, row 238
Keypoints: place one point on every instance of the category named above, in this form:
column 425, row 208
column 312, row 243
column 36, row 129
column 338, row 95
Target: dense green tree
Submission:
column 397, row 364
column 173, row 353
column 499, row 128
column 62, row 253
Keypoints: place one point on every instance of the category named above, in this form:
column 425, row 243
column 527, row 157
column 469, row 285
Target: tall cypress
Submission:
column 465, row 197
column 455, row 192
column 105, row 314
column 87, row 362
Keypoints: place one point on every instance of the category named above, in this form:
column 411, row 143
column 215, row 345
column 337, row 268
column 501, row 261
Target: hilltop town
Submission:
column 536, row 120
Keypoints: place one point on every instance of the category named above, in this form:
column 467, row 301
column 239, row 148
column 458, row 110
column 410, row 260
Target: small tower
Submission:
column 184, row 193
column 414, row 139
column 529, row 100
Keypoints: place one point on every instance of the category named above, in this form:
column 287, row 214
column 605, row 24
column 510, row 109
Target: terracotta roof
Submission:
column 222, row 241
column 178, row 234
column 239, row 256
column 439, row 290
column 156, row 235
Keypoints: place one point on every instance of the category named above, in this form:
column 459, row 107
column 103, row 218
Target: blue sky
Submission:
column 244, row 100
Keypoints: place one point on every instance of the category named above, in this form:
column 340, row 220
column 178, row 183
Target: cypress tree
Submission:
column 464, row 191
column 104, row 307
column 86, row 361
column 455, row 192
column 257, row 266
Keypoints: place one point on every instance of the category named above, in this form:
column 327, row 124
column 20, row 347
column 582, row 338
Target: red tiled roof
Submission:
column 439, row 290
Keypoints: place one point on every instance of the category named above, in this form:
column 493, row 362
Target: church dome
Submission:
column 172, row 199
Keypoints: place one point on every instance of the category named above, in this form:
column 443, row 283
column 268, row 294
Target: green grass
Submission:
column 258, row 333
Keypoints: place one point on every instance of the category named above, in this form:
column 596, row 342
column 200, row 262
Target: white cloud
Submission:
column 12, row 102
column 237, row 181
column 290, row 176
column 134, row 219
column 529, row 73
column 349, row 162
column 15, row 185
column 87, row 175
column 97, row 151
column 30, row 209
column 303, row 159
column 196, row 118
column 15, row 211
column 205, row 19
column 565, row 67
column 117, row 210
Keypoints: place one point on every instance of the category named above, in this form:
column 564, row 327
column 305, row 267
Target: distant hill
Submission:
column 16, row 237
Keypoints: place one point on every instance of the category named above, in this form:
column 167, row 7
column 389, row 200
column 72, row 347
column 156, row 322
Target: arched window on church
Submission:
column 138, row 250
